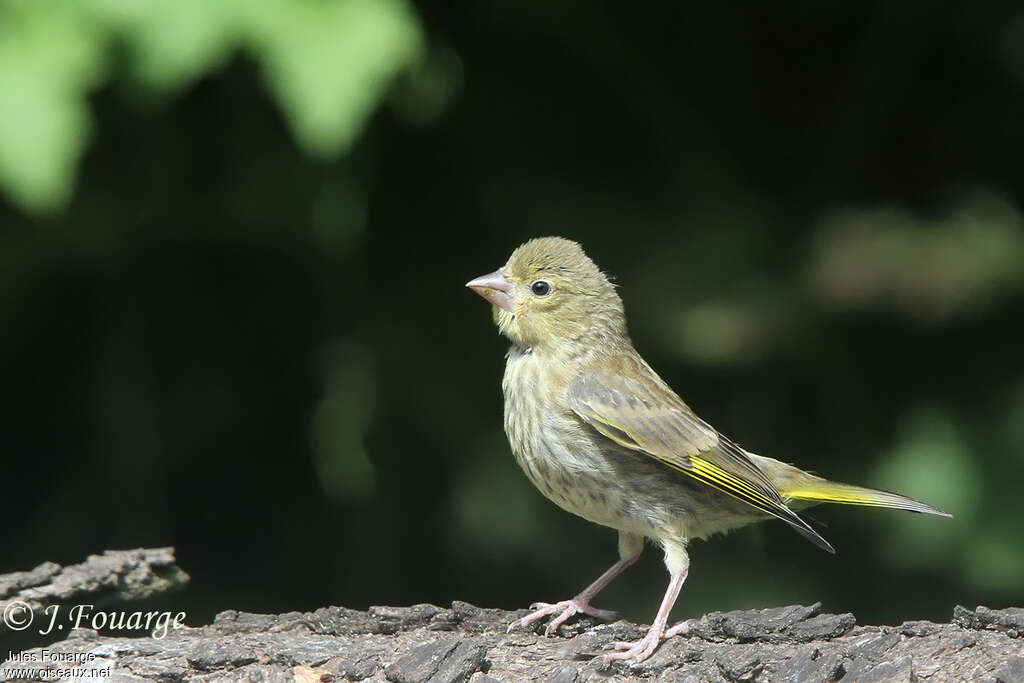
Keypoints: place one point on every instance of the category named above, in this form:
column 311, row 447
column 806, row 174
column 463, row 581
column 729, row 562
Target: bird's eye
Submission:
column 540, row 288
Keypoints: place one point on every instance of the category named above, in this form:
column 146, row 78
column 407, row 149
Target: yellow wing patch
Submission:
column 729, row 483
column 643, row 414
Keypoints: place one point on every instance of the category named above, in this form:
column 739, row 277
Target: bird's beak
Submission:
column 496, row 288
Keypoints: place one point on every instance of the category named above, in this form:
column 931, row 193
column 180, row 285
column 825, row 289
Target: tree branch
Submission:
column 465, row 643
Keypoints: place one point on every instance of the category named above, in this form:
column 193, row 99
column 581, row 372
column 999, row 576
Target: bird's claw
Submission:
column 566, row 609
column 680, row 629
column 639, row 650
column 635, row 652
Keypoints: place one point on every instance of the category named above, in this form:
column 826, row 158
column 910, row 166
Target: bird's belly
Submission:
column 563, row 458
column 588, row 475
column 557, row 473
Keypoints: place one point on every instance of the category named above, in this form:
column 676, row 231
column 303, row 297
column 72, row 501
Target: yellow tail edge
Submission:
column 833, row 492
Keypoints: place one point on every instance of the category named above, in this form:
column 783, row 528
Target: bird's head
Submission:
column 550, row 292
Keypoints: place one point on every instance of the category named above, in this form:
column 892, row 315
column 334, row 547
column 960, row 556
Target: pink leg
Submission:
column 643, row 648
column 581, row 603
column 679, row 566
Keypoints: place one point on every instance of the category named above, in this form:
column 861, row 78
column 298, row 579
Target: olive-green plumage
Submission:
column 599, row 433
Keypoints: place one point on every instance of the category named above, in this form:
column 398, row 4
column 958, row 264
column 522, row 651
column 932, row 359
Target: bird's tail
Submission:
column 824, row 491
column 802, row 489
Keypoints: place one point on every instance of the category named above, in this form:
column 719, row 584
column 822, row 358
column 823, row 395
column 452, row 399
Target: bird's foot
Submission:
column 565, row 610
column 637, row 651
column 680, row 629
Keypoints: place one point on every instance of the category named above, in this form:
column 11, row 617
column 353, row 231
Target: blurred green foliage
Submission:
column 327, row 64
column 960, row 263
column 341, row 421
column 235, row 235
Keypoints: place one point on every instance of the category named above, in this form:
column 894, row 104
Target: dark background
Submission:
column 220, row 333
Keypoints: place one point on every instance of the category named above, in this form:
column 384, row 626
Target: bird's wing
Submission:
column 633, row 407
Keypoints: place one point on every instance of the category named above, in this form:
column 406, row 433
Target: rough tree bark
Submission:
column 466, row 643
column 116, row 575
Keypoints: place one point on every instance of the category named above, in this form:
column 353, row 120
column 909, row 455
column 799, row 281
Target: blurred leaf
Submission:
column 341, row 420
column 172, row 43
column 926, row 269
column 339, row 214
column 993, row 558
column 494, row 506
column 328, row 63
column 422, row 96
column 931, row 461
column 50, row 55
column 725, row 332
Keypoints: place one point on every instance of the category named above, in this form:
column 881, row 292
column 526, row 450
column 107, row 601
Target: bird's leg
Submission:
column 630, row 547
column 579, row 604
column 679, row 564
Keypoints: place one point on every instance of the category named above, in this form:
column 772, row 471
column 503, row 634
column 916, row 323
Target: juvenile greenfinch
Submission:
column 604, row 437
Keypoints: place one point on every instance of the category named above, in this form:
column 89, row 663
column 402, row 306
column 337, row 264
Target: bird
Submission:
column 601, row 435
